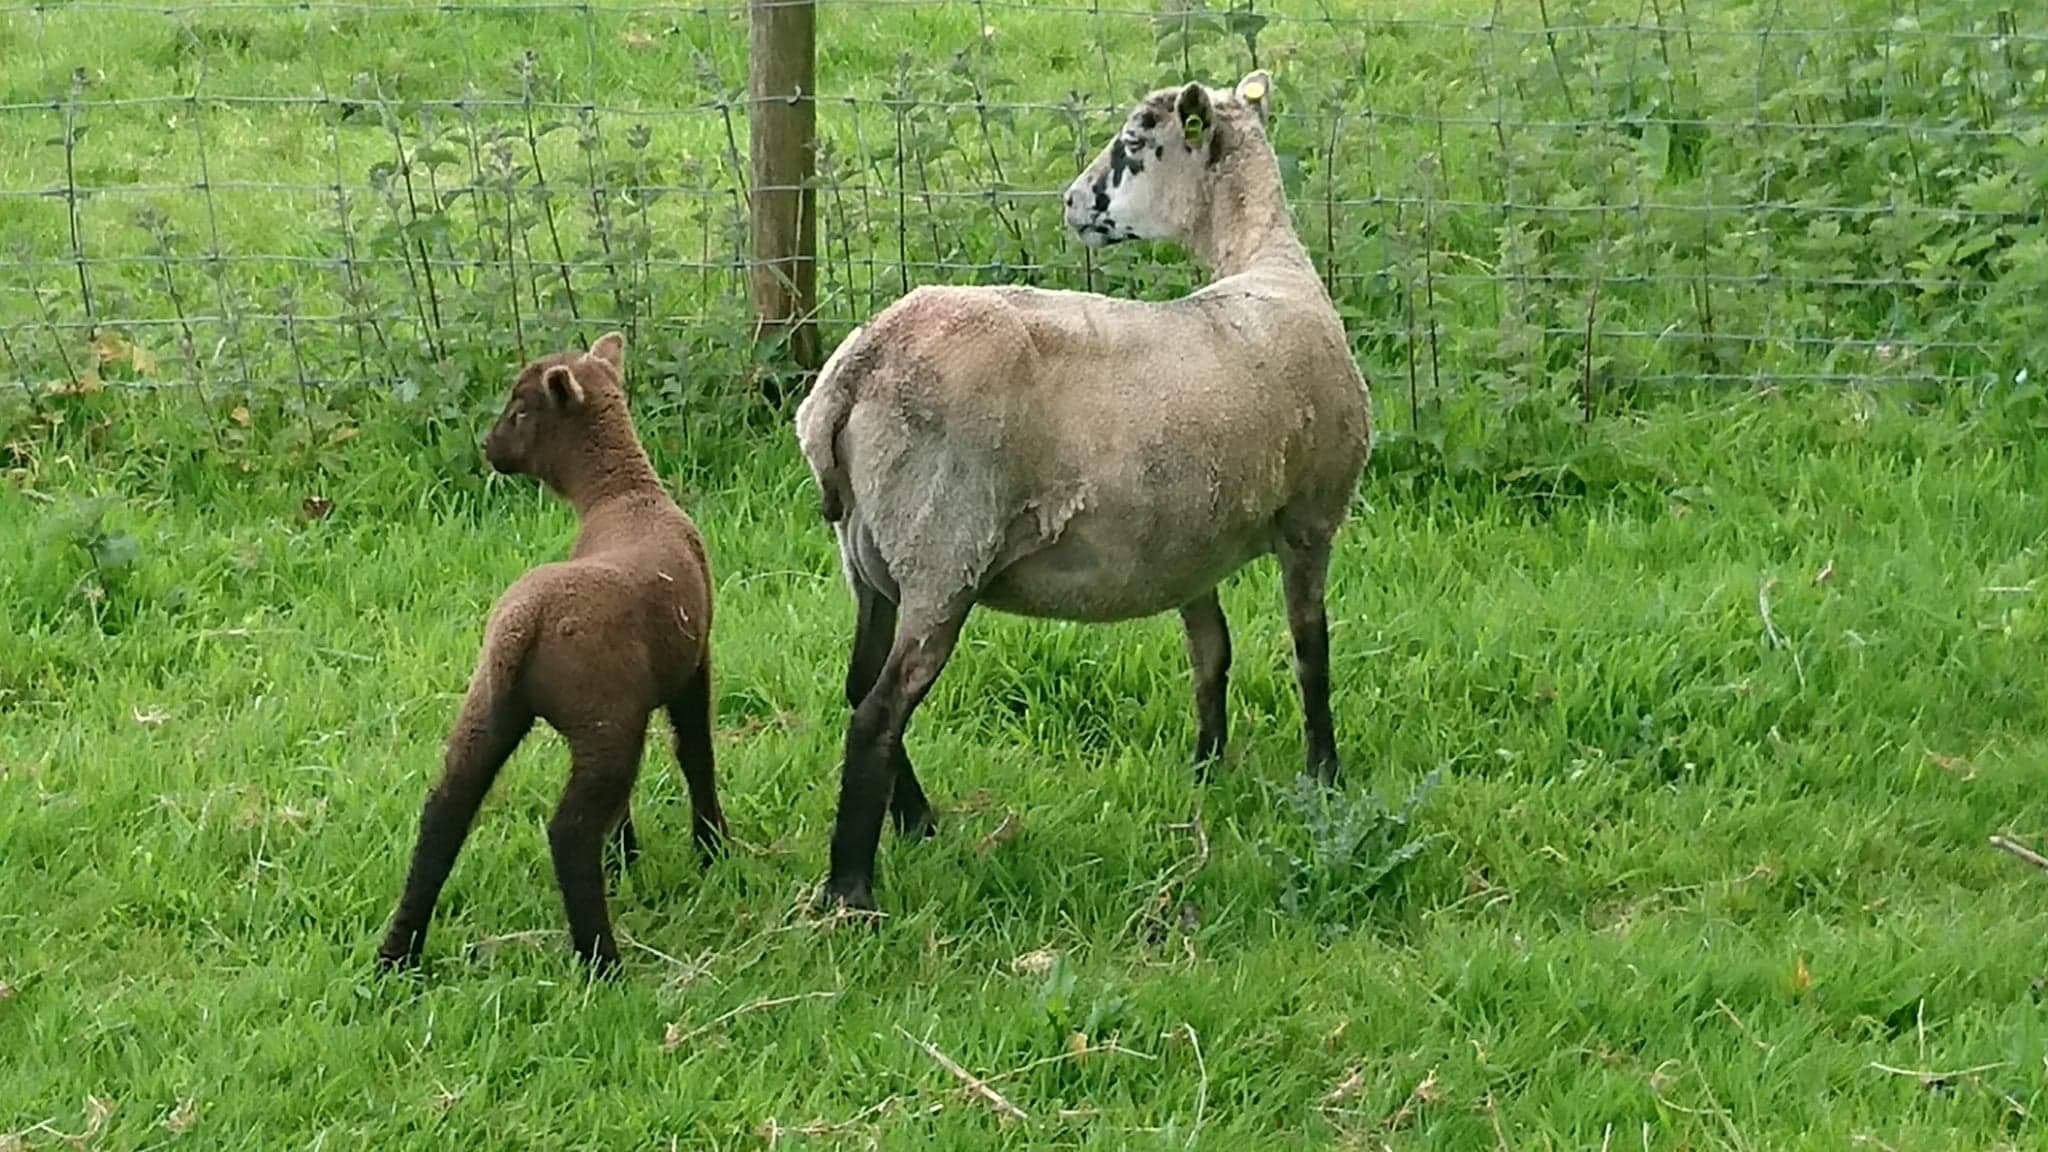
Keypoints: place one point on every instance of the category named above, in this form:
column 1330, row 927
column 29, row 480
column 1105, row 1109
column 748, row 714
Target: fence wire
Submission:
column 1550, row 199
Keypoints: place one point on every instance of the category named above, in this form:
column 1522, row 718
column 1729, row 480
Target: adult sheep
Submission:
column 1075, row 456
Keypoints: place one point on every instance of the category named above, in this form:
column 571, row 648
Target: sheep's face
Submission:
column 553, row 403
column 1153, row 181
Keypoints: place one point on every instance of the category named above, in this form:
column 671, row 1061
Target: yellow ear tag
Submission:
column 1255, row 91
column 1192, row 129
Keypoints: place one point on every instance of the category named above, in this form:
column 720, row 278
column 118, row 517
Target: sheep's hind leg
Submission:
column 873, row 631
column 873, row 739
column 1304, row 569
column 690, row 714
column 487, row 730
column 1208, row 643
column 603, row 761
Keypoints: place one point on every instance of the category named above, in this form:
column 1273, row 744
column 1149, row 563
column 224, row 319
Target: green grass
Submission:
column 1723, row 691
column 1688, row 883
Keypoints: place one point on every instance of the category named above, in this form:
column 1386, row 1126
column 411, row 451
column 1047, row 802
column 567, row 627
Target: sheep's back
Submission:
column 989, row 424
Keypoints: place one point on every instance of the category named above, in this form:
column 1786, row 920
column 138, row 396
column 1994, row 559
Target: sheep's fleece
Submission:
column 1069, row 455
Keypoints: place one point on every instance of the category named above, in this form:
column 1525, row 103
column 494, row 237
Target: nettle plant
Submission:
column 109, row 555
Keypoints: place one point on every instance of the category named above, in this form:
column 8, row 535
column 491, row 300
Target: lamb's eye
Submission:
column 519, row 417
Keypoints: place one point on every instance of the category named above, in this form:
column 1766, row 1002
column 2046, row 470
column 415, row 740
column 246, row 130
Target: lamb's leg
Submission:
column 873, row 630
column 488, row 728
column 1304, row 569
column 923, row 644
column 691, row 716
column 1208, row 642
column 603, row 761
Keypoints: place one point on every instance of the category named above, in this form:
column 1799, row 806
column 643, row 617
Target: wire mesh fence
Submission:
column 1545, row 201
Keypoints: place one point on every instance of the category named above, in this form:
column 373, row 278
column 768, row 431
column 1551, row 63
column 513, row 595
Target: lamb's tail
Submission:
column 823, row 413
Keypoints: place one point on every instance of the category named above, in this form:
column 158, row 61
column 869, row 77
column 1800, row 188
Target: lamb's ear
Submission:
column 561, row 387
column 611, row 348
column 1254, row 90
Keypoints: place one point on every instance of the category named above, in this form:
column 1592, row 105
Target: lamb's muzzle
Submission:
column 1070, row 455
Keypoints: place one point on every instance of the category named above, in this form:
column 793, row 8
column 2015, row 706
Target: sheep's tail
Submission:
column 819, row 419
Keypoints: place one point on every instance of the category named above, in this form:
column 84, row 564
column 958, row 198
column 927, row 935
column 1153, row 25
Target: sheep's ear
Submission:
column 611, row 348
column 561, row 387
column 1254, row 90
column 1195, row 114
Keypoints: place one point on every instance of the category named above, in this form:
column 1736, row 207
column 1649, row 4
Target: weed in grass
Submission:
column 1349, row 848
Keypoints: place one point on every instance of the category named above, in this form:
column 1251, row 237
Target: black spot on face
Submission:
column 1101, row 196
column 1215, row 144
column 1159, row 153
column 1149, row 120
column 1124, row 158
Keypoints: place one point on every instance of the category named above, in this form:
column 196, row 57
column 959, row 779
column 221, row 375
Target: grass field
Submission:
column 1691, row 887
column 1709, row 706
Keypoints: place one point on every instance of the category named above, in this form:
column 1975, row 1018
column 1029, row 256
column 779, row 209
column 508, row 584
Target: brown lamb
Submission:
column 592, row 645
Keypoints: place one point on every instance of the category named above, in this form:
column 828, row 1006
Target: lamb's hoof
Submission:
column 1324, row 777
column 710, row 844
column 917, row 825
column 603, row 963
column 400, row 950
column 844, row 896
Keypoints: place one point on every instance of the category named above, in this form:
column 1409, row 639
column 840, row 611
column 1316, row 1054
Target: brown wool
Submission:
column 593, row 645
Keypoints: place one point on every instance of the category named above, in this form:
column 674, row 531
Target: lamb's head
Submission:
column 560, row 407
column 1156, row 180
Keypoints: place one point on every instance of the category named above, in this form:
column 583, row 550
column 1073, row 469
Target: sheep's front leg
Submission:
column 603, row 761
column 1208, row 642
column 1304, row 574
column 873, row 632
column 873, row 739
column 490, row 726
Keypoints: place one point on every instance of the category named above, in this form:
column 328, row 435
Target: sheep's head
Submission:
column 555, row 405
column 1154, row 181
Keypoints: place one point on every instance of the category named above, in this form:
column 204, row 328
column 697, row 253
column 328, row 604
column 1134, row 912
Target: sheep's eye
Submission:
column 519, row 416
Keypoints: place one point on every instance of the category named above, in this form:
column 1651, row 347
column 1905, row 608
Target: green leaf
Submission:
column 435, row 155
column 115, row 551
column 1248, row 25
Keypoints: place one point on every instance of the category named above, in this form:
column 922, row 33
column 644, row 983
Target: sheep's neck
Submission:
column 1248, row 223
column 611, row 464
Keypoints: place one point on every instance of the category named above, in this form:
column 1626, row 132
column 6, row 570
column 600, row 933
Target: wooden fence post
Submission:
column 782, row 128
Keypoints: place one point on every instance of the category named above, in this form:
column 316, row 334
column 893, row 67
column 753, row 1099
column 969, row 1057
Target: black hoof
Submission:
column 921, row 825
column 710, row 844
column 851, row 896
column 1322, row 776
column 400, row 951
